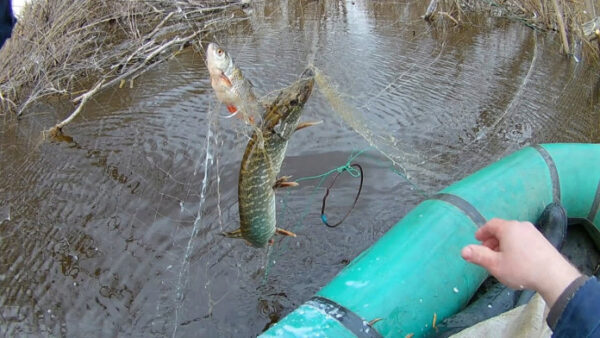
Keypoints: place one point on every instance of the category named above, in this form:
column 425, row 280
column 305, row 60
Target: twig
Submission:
column 159, row 26
column 561, row 25
column 3, row 99
column 210, row 9
column 84, row 98
column 32, row 98
column 87, row 27
column 430, row 10
column 521, row 8
column 126, row 62
column 141, row 65
column 449, row 17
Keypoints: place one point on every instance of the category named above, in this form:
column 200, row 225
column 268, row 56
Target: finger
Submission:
column 481, row 255
column 483, row 234
column 492, row 243
column 490, row 229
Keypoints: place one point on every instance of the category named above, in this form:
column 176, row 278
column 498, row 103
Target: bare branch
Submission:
column 68, row 43
column 84, row 98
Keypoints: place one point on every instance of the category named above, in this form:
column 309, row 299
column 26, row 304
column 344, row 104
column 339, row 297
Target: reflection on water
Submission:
column 118, row 232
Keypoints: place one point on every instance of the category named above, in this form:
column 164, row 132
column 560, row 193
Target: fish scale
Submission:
column 262, row 161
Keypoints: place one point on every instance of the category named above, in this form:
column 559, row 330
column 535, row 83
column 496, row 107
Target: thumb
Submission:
column 481, row 255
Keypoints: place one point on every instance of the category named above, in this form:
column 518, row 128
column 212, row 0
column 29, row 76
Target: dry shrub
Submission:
column 59, row 46
column 567, row 17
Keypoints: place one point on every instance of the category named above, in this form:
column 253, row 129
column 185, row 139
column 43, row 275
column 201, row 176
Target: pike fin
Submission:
column 232, row 109
column 233, row 234
column 286, row 185
column 225, row 79
column 284, row 232
column 308, row 124
column 283, row 182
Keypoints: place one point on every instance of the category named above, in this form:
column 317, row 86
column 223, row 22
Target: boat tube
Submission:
column 414, row 275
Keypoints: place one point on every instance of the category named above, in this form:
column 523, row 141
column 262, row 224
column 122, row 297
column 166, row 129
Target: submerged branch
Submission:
column 84, row 98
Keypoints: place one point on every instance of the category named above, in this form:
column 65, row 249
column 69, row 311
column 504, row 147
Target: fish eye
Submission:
column 220, row 51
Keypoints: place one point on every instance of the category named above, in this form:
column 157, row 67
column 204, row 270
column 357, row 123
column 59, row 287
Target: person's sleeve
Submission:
column 576, row 313
column 7, row 18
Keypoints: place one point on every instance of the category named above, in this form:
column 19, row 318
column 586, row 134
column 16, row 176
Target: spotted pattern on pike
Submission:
column 262, row 161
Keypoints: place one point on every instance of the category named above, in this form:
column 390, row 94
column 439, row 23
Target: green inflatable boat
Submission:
column 415, row 275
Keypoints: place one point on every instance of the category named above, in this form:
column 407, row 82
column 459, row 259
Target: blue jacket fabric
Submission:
column 581, row 315
column 7, row 20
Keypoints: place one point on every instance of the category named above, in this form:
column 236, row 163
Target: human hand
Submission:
column 519, row 256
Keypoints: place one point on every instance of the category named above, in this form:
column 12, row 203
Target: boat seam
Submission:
column 553, row 171
column 350, row 320
column 463, row 205
column 595, row 205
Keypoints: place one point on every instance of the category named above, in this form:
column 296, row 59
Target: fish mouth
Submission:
column 213, row 61
column 286, row 108
column 212, row 47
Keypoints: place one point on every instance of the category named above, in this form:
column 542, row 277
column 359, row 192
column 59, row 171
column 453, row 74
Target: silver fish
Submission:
column 230, row 85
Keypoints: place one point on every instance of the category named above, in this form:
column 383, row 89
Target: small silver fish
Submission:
column 230, row 85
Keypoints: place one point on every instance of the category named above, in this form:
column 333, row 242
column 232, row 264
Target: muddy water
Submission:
column 117, row 232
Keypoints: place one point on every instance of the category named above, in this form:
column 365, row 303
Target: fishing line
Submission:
column 353, row 174
column 402, row 75
column 183, row 276
column 387, row 144
column 273, row 253
column 516, row 98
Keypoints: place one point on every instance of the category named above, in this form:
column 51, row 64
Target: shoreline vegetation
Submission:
column 576, row 22
column 76, row 48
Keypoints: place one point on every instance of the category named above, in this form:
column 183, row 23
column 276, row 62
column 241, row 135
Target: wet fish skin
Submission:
column 229, row 84
column 262, row 161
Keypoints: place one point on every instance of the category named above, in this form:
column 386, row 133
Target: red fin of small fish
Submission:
column 232, row 109
column 226, row 80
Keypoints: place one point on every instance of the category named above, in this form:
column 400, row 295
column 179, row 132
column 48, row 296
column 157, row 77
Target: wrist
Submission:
column 557, row 279
column 563, row 301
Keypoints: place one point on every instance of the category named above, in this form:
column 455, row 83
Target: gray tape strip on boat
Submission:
column 463, row 205
column 349, row 319
column 553, row 172
column 595, row 205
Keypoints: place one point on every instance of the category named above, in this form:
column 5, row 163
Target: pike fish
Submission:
column 230, row 85
column 262, row 161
